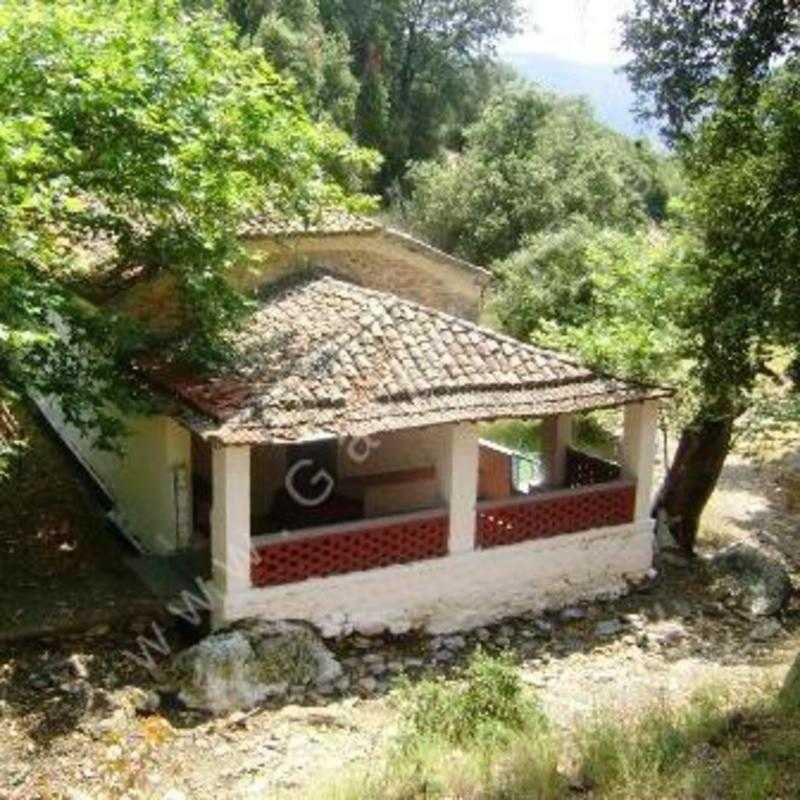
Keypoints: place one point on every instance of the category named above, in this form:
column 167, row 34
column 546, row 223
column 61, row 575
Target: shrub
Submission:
column 488, row 703
column 713, row 746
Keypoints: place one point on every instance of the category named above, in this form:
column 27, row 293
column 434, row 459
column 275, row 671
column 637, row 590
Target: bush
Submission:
column 624, row 759
column 488, row 703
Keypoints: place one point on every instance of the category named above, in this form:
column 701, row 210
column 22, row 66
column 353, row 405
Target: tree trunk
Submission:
column 693, row 475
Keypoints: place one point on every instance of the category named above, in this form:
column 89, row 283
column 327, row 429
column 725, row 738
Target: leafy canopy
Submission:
column 532, row 163
column 724, row 79
column 622, row 300
column 294, row 41
column 423, row 69
column 705, row 302
column 686, row 50
column 137, row 136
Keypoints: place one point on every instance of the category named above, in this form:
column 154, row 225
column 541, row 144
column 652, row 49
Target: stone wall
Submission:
column 376, row 261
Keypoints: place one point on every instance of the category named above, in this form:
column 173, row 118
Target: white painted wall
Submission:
column 453, row 452
column 461, row 591
column 638, row 451
column 394, row 450
column 149, row 485
column 390, row 452
column 230, row 519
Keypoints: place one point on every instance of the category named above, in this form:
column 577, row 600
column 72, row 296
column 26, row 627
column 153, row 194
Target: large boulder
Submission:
column 758, row 580
column 241, row 666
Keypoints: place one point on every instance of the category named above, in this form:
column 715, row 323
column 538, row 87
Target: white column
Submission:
column 638, row 452
column 556, row 438
column 458, row 475
column 230, row 519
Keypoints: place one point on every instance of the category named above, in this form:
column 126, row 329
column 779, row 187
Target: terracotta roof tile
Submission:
column 327, row 222
column 329, row 356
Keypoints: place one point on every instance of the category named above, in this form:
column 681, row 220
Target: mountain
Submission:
column 607, row 89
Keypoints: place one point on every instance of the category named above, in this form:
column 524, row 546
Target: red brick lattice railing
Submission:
column 350, row 547
column 554, row 513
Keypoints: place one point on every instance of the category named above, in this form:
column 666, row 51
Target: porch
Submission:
column 407, row 527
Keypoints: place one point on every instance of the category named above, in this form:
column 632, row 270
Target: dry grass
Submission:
column 717, row 745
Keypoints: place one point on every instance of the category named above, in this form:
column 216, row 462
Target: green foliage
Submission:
column 619, row 299
column 713, row 745
column 745, row 199
column 516, row 434
column 423, row 68
column 11, row 441
column 137, row 135
column 532, row 163
column 724, row 77
column 684, row 50
column 294, row 41
column 487, row 704
column 372, row 112
column 742, row 207
column 617, row 756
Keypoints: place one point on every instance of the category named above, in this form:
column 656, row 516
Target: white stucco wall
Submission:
column 391, row 452
column 394, row 450
column 460, row 591
column 150, row 485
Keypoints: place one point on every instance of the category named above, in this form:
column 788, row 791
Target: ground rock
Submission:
column 572, row 614
column 608, row 627
column 239, row 667
column 760, row 581
column 667, row 633
column 135, row 699
column 765, row 630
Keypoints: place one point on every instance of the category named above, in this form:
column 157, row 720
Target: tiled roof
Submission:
column 326, row 223
column 325, row 356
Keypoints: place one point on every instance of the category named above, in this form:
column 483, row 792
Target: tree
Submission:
column 685, row 50
column 617, row 297
column 294, row 41
column 532, row 163
column 704, row 303
column 427, row 55
column 714, row 72
column 136, row 137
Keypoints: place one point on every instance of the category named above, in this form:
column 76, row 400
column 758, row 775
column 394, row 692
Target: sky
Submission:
column 581, row 31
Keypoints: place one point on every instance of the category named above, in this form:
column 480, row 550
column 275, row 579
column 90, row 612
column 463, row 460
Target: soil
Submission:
column 61, row 566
